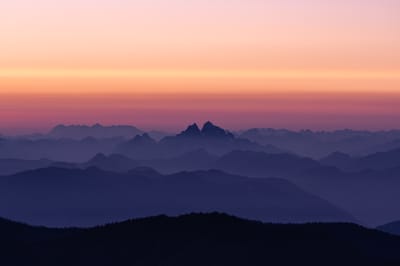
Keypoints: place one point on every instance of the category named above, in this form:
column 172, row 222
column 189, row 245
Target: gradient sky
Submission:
column 317, row 64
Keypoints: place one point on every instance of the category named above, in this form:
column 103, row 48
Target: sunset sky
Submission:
column 162, row 64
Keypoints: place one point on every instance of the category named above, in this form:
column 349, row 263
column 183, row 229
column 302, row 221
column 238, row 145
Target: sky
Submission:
column 162, row 64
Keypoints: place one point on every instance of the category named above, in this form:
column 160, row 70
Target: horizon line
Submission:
column 46, row 130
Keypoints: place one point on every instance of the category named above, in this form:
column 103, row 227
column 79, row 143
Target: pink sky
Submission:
column 289, row 63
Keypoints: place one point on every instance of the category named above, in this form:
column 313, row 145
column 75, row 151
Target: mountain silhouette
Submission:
column 211, row 138
column 260, row 164
column 198, row 239
column 375, row 161
column 113, row 162
column 141, row 143
column 67, row 150
column 318, row 144
column 337, row 159
column 366, row 186
column 210, row 130
column 78, row 143
column 96, row 131
column 190, row 161
column 139, row 147
column 144, row 139
column 13, row 166
column 193, row 160
column 370, row 195
column 391, row 228
column 65, row 197
column 191, row 131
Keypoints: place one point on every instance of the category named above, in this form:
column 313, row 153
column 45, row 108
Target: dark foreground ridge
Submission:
column 197, row 239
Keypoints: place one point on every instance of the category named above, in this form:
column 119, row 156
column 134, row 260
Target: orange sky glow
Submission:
column 162, row 64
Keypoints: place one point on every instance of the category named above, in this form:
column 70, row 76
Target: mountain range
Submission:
column 69, row 150
column 369, row 195
column 83, row 197
column 210, row 138
column 318, row 144
column 96, row 131
column 366, row 186
column 375, row 161
column 81, row 143
column 65, row 141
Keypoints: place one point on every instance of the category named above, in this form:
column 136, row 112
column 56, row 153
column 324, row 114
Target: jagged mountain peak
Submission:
column 208, row 130
column 191, row 131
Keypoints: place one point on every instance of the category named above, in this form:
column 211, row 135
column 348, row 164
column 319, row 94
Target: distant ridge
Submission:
column 375, row 161
column 112, row 162
column 391, row 228
column 261, row 164
column 96, row 131
column 57, row 196
column 318, row 144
